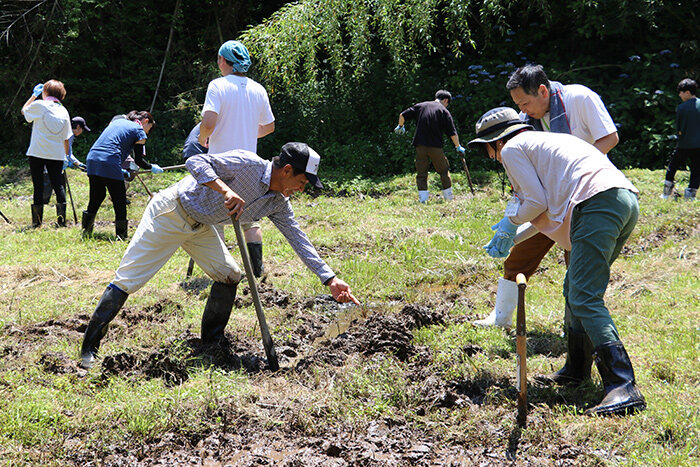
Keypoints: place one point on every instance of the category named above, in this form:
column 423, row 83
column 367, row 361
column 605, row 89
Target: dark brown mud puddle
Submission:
column 386, row 442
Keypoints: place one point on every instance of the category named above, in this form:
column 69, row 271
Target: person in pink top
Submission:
column 574, row 195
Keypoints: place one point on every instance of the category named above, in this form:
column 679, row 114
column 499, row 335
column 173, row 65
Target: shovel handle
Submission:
column 266, row 338
column 469, row 177
column 521, row 351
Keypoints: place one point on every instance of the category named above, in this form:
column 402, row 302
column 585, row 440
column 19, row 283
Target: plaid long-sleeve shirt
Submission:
column 249, row 176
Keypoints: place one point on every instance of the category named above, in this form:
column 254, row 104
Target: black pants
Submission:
column 682, row 157
column 54, row 169
column 98, row 191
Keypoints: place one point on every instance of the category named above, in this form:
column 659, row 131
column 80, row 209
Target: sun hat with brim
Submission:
column 496, row 124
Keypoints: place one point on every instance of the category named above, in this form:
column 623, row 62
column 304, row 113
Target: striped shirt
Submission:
column 248, row 176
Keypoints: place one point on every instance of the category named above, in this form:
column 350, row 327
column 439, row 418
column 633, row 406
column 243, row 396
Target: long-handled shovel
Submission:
column 469, row 177
column 70, row 195
column 267, row 340
column 170, row 167
column 521, row 351
column 6, row 219
column 150, row 195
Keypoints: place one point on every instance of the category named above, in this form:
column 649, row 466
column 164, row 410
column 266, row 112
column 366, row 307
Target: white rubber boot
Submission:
column 423, row 195
column 506, row 301
column 447, row 194
column 690, row 194
column 668, row 190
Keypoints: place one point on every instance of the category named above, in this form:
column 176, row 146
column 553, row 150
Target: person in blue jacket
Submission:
column 104, row 167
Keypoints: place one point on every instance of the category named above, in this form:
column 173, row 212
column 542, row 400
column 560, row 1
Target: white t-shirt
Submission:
column 241, row 105
column 588, row 117
column 552, row 173
column 50, row 128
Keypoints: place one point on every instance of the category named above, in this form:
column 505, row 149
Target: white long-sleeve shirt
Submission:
column 553, row 172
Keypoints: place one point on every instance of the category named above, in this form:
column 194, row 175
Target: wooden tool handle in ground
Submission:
column 521, row 351
column 266, row 338
column 469, row 177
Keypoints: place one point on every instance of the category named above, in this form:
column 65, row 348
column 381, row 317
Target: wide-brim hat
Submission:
column 302, row 157
column 496, row 124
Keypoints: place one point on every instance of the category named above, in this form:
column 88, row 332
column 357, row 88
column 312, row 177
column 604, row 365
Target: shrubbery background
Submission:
column 339, row 71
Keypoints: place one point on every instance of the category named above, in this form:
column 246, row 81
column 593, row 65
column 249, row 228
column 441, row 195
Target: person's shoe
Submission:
column 690, row 194
column 37, row 215
column 579, row 360
column 61, row 215
column 622, row 396
column 506, row 301
column 255, row 251
column 447, row 194
column 112, row 300
column 121, row 229
column 217, row 312
column 87, row 223
column 668, row 189
column 423, row 196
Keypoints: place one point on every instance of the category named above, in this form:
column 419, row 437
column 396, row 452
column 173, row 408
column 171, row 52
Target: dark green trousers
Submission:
column 600, row 226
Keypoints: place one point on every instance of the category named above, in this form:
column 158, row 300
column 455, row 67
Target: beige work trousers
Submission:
column 164, row 228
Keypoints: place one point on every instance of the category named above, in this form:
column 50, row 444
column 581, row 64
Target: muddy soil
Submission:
column 324, row 336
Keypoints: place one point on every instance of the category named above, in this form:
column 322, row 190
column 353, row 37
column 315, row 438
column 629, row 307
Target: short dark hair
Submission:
column 277, row 163
column 528, row 77
column 141, row 115
column 442, row 94
column 55, row 88
column 688, row 85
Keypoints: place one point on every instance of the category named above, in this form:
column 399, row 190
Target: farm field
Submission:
column 405, row 379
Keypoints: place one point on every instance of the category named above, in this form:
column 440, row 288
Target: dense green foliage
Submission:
column 340, row 71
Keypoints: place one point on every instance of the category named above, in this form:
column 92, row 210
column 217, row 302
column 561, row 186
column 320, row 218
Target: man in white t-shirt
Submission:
column 235, row 114
column 551, row 107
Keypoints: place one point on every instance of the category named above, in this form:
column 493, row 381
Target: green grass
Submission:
column 392, row 251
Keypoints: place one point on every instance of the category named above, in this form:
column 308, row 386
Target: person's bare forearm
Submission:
column 264, row 130
column 606, row 143
column 207, row 126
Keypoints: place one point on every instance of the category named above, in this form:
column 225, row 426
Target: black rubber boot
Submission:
column 256, row 258
column 61, row 214
column 621, row 393
column 121, row 229
column 108, row 307
column 579, row 360
column 37, row 215
column 87, row 223
column 217, row 312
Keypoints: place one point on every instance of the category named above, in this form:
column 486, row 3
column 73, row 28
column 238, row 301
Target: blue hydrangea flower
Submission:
column 623, row 75
column 658, row 92
column 634, row 58
column 665, row 52
column 473, row 81
column 674, row 65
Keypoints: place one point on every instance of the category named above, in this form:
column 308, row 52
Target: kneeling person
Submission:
column 185, row 215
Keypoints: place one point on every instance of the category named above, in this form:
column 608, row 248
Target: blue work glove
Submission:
column 400, row 129
column 66, row 164
column 460, row 149
column 126, row 173
column 502, row 240
column 155, row 168
column 37, row 90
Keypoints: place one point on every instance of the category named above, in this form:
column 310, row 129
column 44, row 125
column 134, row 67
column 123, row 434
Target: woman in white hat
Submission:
column 573, row 194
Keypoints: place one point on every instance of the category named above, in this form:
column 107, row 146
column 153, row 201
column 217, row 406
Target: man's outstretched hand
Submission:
column 341, row 291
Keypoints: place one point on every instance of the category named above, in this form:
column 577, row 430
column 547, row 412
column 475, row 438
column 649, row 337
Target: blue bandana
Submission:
column 236, row 53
